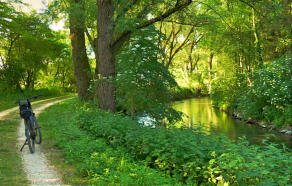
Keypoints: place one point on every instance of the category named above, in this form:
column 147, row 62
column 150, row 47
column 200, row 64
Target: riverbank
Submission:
column 182, row 93
column 111, row 149
column 262, row 124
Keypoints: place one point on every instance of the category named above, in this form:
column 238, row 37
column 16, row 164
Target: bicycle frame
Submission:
column 30, row 127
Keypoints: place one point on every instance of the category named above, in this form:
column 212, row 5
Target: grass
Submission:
column 11, row 172
column 55, row 155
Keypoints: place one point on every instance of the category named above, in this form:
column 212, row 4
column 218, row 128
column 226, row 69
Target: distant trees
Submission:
column 28, row 46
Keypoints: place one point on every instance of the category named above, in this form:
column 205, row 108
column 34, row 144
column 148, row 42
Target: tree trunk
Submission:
column 132, row 107
column 210, row 66
column 106, row 60
column 82, row 71
column 257, row 41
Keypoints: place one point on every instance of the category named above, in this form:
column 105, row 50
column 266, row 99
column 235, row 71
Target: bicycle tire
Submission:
column 37, row 130
column 30, row 138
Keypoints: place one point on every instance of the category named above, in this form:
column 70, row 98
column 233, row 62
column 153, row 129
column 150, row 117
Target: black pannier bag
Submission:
column 24, row 108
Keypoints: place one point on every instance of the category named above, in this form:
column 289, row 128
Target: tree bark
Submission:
column 81, row 66
column 257, row 41
column 210, row 66
column 106, row 60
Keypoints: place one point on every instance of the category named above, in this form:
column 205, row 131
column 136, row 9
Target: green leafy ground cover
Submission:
column 85, row 159
column 113, row 149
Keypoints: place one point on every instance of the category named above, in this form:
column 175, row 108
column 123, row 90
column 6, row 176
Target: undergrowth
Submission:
column 93, row 160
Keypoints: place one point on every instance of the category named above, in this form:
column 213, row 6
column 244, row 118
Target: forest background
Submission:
column 238, row 52
column 128, row 58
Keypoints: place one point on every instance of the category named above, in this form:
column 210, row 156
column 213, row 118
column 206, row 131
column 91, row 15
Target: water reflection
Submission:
column 200, row 110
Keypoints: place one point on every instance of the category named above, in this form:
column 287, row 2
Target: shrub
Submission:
column 143, row 83
column 269, row 97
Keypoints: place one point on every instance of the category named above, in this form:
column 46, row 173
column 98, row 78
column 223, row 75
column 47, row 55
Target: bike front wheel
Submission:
column 31, row 137
column 37, row 131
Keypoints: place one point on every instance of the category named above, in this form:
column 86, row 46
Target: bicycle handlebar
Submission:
column 33, row 97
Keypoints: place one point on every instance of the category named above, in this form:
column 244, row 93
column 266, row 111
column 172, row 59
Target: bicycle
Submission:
column 32, row 130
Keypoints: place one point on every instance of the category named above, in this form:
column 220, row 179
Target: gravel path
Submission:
column 5, row 112
column 37, row 167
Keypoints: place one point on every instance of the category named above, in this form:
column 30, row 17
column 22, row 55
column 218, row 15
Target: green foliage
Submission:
column 29, row 47
column 185, row 93
column 225, row 91
column 97, row 163
column 143, row 83
column 268, row 98
column 265, row 165
column 189, row 155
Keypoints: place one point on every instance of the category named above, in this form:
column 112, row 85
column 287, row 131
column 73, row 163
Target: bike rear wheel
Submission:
column 37, row 131
column 31, row 137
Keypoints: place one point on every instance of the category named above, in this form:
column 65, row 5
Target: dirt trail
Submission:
column 37, row 167
column 6, row 112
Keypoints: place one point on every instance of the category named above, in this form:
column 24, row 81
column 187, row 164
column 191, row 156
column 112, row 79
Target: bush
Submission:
column 269, row 97
column 225, row 91
column 143, row 83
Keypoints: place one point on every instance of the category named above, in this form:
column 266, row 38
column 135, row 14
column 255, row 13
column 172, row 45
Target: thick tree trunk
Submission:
column 106, row 60
column 82, row 71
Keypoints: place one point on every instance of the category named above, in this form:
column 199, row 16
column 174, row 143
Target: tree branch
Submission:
column 217, row 14
column 91, row 41
column 165, row 15
column 126, row 34
column 185, row 24
column 184, row 42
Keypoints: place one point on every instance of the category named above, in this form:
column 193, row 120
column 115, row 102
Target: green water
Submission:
column 200, row 110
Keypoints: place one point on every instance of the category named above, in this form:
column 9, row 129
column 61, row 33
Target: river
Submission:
column 200, row 110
